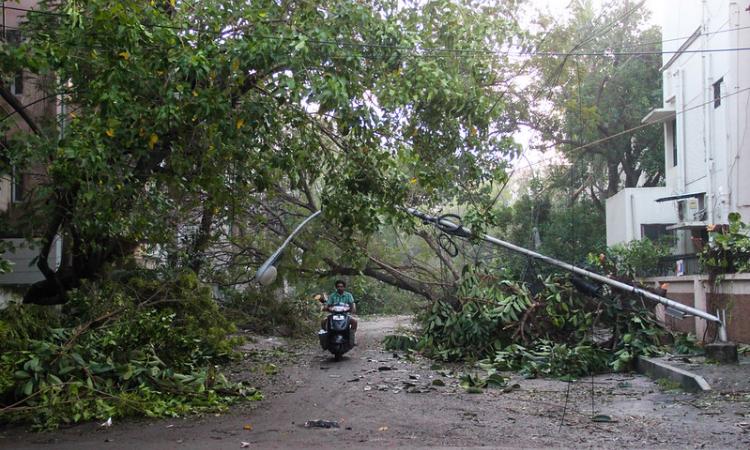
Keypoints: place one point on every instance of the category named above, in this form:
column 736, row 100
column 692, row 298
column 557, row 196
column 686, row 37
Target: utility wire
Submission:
column 636, row 128
column 437, row 52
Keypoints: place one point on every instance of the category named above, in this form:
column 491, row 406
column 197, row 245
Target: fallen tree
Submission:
column 553, row 330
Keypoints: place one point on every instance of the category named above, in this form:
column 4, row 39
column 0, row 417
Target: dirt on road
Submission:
column 384, row 400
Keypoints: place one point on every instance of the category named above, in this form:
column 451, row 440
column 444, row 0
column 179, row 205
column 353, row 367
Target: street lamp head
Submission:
column 266, row 274
column 266, row 277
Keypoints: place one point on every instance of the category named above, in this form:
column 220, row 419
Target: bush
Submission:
column 633, row 260
column 142, row 346
column 261, row 313
column 728, row 249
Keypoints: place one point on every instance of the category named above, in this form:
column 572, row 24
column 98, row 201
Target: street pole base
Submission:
column 722, row 352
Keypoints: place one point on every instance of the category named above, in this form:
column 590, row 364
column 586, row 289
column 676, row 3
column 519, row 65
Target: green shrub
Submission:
column 261, row 313
column 635, row 259
column 728, row 249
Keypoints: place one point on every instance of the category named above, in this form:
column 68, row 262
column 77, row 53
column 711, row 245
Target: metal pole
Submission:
column 460, row 230
column 275, row 256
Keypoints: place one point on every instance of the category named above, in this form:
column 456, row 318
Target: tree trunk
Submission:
column 613, row 178
column 202, row 238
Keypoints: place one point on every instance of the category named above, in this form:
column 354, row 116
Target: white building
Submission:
column 706, row 120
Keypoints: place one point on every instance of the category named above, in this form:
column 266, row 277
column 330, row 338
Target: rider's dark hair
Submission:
column 340, row 282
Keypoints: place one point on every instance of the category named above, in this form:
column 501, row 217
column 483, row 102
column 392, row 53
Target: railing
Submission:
column 690, row 265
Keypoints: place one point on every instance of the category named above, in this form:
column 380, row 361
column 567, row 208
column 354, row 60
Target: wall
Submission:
column 631, row 207
column 732, row 294
column 24, row 272
column 713, row 140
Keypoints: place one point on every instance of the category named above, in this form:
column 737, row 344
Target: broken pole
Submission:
column 459, row 230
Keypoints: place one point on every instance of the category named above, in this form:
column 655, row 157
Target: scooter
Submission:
column 338, row 337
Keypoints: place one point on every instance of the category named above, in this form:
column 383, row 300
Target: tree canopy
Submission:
column 183, row 118
column 595, row 98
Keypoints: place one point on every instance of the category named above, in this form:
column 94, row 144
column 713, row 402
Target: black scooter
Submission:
column 338, row 337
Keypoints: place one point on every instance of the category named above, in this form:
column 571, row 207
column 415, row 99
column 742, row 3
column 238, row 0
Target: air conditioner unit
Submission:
column 691, row 210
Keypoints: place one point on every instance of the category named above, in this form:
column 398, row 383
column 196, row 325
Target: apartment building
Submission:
column 706, row 121
column 16, row 184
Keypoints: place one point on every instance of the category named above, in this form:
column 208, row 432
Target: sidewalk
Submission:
column 722, row 378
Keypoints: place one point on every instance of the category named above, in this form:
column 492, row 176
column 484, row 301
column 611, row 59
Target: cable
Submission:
column 36, row 11
column 434, row 52
column 682, row 38
column 565, row 407
column 636, row 128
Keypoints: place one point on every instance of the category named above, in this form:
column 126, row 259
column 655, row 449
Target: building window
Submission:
column 656, row 232
column 14, row 38
column 17, row 187
column 673, row 129
column 16, row 87
column 717, row 92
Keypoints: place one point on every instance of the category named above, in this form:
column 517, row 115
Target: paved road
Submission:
column 382, row 401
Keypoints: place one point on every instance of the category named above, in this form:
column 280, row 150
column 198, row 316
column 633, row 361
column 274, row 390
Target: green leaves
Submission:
column 728, row 248
column 147, row 360
column 213, row 106
column 547, row 333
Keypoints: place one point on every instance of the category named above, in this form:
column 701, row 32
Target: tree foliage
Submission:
column 554, row 331
column 187, row 118
column 728, row 248
column 141, row 346
column 598, row 97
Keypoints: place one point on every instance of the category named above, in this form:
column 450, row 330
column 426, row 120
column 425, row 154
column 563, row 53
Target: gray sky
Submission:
column 657, row 7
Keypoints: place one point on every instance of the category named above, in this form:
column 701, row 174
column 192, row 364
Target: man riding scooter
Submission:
column 341, row 297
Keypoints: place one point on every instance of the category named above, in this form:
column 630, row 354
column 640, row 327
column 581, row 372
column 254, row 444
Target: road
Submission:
column 382, row 400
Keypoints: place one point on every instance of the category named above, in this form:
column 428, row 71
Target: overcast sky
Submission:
column 657, row 7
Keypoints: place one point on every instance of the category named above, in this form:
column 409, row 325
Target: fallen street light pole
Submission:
column 266, row 273
column 458, row 230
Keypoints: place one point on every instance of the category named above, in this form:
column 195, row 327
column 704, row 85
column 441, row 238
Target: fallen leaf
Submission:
column 124, row 55
column 247, row 427
column 383, row 429
column 110, row 132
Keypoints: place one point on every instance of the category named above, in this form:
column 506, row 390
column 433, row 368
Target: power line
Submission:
column 636, row 128
column 36, row 11
column 452, row 52
column 682, row 38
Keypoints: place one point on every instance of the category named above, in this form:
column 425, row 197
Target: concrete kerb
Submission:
column 654, row 369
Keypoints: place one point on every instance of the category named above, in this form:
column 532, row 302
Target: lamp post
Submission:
column 457, row 229
column 266, row 273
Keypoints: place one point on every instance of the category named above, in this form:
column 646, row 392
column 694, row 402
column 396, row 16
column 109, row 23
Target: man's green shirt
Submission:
column 340, row 299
